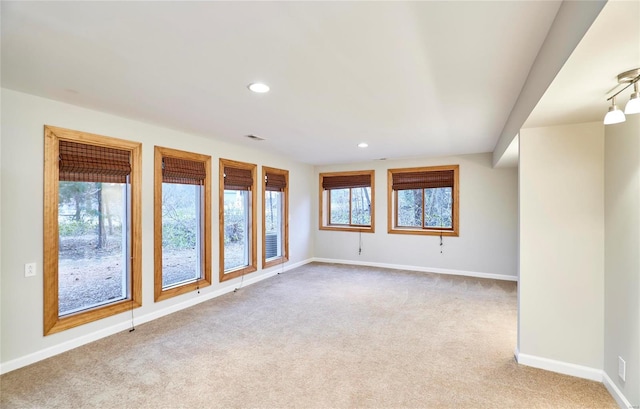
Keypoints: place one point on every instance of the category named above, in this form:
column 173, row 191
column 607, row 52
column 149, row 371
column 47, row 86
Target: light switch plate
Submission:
column 622, row 369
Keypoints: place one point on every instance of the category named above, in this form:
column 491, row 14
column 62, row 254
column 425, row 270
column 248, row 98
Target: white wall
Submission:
column 622, row 255
column 561, row 293
column 24, row 117
column 487, row 245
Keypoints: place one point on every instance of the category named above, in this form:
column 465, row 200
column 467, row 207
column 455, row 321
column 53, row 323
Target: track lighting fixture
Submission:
column 615, row 115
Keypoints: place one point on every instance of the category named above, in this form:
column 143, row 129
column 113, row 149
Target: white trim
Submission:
column 114, row 329
column 418, row 268
column 616, row 392
column 565, row 368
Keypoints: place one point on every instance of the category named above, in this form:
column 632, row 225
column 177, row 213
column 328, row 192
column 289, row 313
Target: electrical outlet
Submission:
column 30, row 269
column 622, row 368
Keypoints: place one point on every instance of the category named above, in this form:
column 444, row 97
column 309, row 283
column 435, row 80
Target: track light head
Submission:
column 615, row 115
column 633, row 106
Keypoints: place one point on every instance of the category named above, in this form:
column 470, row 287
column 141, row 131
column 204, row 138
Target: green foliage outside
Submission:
column 235, row 218
column 179, row 216
column 90, row 208
column 436, row 204
column 359, row 213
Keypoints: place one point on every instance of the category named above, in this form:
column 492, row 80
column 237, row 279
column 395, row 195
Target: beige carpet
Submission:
column 320, row 336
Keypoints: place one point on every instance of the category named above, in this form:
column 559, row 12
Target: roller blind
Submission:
column 79, row 162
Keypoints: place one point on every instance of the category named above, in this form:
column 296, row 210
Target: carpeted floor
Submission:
column 320, row 336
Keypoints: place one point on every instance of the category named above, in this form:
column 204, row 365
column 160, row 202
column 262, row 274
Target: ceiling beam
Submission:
column 571, row 24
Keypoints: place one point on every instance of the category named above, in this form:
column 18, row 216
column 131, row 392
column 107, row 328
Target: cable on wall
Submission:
column 360, row 244
column 281, row 265
column 241, row 281
column 441, row 243
column 133, row 328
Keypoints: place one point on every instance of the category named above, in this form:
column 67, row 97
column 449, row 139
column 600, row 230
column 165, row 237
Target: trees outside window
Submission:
column 275, row 226
column 350, row 206
column 92, row 245
column 424, row 200
column 347, row 201
column 91, row 241
column 237, row 219
column 182, row 222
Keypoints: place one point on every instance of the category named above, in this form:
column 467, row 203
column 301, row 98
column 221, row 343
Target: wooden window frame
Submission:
column 325, row 203
column 53, row 323
column 205, row 220
column 392, row 204
column 285, row 218
column 253, row 265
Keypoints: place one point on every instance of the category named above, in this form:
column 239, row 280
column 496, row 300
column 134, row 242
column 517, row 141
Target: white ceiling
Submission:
column 580, row 90
column 409, row 78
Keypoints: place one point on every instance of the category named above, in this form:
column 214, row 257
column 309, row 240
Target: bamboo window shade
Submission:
column 275, row 182
column 346, row 181
column 79, row 162
column 423, row 180
column 183, row 171
column 237, row 179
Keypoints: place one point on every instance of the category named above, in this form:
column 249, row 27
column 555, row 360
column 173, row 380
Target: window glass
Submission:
column 274, row 226
column 92, row 268
column 410, row 208
column 361, row 206
column 438, row 206
column 236, row 229
column 181, row 234
column 339, row 211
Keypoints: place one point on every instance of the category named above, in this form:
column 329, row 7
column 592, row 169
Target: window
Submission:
column 92, row 246
column 346, row 201
column 423, row 201
column 237, row 219
column 275, row 225
column 182, row 222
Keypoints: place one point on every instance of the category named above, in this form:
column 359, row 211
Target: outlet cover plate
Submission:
column 30, row 270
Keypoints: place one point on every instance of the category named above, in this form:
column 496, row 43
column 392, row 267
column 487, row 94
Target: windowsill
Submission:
column 276, row 261
column 86, row 316
column 231, row 274
column 180, row 289
column 362, row 229
column 423, row 232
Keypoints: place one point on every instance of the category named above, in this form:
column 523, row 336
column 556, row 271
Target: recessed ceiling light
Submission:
column 363, row 145
column 258, row 87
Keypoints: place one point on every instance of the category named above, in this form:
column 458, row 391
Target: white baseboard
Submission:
column 418, row 268
column 616, row 392
column 565, row 368
column 577, row 371
column 114, row 329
